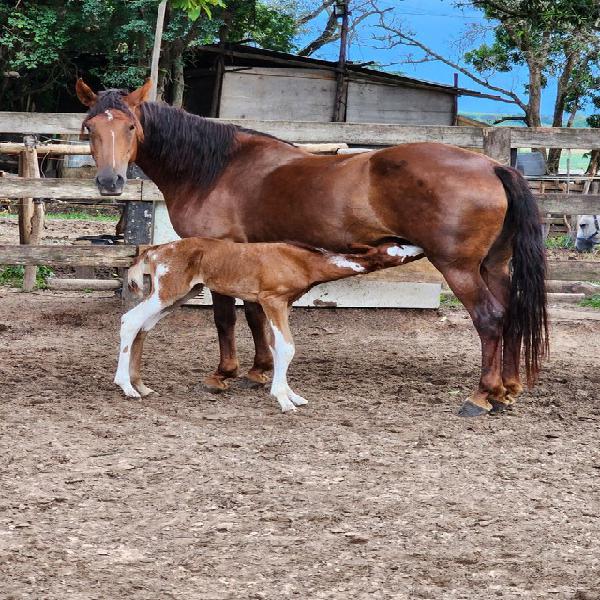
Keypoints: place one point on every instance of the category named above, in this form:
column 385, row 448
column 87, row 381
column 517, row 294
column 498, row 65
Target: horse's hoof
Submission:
column 469, row 409
column 215, row 384
column 254, row 379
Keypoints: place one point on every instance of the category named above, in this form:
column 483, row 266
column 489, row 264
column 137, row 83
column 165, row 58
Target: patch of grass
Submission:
column 13, row 276
column 450, row 300
column 558, row 242
column 592, row 301
column 74, row 216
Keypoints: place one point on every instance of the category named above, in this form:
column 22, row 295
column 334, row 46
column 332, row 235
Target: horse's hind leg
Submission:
column 495, row 271
column 465, row 280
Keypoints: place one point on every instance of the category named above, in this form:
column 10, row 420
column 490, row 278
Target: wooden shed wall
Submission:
column 382, row 103
column 278, row 94
column 308, row 95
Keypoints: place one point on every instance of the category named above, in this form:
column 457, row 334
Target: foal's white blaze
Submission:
column 344, row 263
column 283, row 352
column 109, row 115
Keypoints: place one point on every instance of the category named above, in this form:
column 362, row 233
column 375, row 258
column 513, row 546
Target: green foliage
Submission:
column 592, row 301
column 13, row 276
column 194, row 8
column 559, row 242
column 51, row 42
column 270, row 28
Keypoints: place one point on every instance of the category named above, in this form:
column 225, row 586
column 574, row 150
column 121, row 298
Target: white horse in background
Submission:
column 588, row 232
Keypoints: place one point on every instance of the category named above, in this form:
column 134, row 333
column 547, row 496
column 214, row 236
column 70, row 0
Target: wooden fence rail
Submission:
column 371, row 134
column 495, row 142
column 122, row 256
column 146, row 191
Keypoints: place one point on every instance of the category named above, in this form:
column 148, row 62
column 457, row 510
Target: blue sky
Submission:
column 442, row 26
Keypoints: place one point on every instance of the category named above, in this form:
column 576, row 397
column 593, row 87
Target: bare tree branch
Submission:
column 329, row 34
column 397, row 37
column 309, row 16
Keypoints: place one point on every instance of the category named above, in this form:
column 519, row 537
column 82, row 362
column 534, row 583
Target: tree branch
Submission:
column 405, row 39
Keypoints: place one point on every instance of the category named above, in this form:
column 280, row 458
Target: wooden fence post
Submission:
column 496, row 144
column 32, row 215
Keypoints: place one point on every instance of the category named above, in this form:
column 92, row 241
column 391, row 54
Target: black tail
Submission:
column 527, row 317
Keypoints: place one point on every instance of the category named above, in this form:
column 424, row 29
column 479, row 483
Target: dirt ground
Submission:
column 376, row 489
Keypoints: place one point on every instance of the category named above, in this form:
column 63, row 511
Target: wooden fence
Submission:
column 499, row 143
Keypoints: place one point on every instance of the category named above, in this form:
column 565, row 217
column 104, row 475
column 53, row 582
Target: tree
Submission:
column 44, row 45
column 552, row 38
column 331, row 31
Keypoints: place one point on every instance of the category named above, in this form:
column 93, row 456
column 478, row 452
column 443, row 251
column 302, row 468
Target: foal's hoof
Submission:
column 215, row 384
column 498, row 407
column 469, row 409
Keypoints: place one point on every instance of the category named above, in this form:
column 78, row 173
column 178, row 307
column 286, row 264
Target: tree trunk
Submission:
column 594, row 163
column 178, row 80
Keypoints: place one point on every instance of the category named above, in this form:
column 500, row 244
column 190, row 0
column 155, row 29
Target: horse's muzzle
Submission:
column 584, row 244
column 110, row 185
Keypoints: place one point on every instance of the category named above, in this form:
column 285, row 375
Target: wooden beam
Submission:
column 40, row 123
column 354, row 133
column 496, row 144
column 369, row 134
column 16, row 148
column 555, row 137
column 574, row 270
column 93, row 255
column 56, row 283
column 82, row 189
column 569, row 204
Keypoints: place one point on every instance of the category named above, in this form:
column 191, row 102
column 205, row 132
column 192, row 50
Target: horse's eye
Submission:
column 583, row 225
column 131, row 127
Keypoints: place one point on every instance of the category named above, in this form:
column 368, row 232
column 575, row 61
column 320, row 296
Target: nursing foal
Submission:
column 272, row 274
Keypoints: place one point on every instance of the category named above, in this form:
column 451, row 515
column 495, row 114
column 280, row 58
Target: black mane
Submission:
column 182, row 144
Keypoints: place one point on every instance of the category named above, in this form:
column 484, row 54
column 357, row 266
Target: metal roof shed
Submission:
column 242, row 82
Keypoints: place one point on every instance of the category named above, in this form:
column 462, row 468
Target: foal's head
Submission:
column 115, row 132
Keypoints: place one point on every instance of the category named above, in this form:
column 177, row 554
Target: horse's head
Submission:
column 588, row 232
column 115, row 132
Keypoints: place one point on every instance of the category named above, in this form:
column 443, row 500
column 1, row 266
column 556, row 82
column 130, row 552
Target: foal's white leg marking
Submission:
column 143, row 316
column 405, row 251
column 283, row 352
column 344, row 263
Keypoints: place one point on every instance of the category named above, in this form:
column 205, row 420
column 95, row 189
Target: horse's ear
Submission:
column 140, row 95
column 85, row 94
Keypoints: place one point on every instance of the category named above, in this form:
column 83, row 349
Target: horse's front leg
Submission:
column 263, row 359
column 224, row 315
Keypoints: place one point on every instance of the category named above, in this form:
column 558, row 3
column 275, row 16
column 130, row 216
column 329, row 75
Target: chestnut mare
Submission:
column 468, row 213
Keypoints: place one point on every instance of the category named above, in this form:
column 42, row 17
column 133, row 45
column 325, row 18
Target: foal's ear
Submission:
column 140, row 95
column 85, row 94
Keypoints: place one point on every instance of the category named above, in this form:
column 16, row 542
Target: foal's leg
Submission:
column 283, row 350
column 224, row 315
column 263, row 360
column 465, row 280
column 138, row 343
column 136, row 364
column 131, row 324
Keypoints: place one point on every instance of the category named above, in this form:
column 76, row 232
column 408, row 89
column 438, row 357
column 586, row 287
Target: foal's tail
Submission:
column 527, row 317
